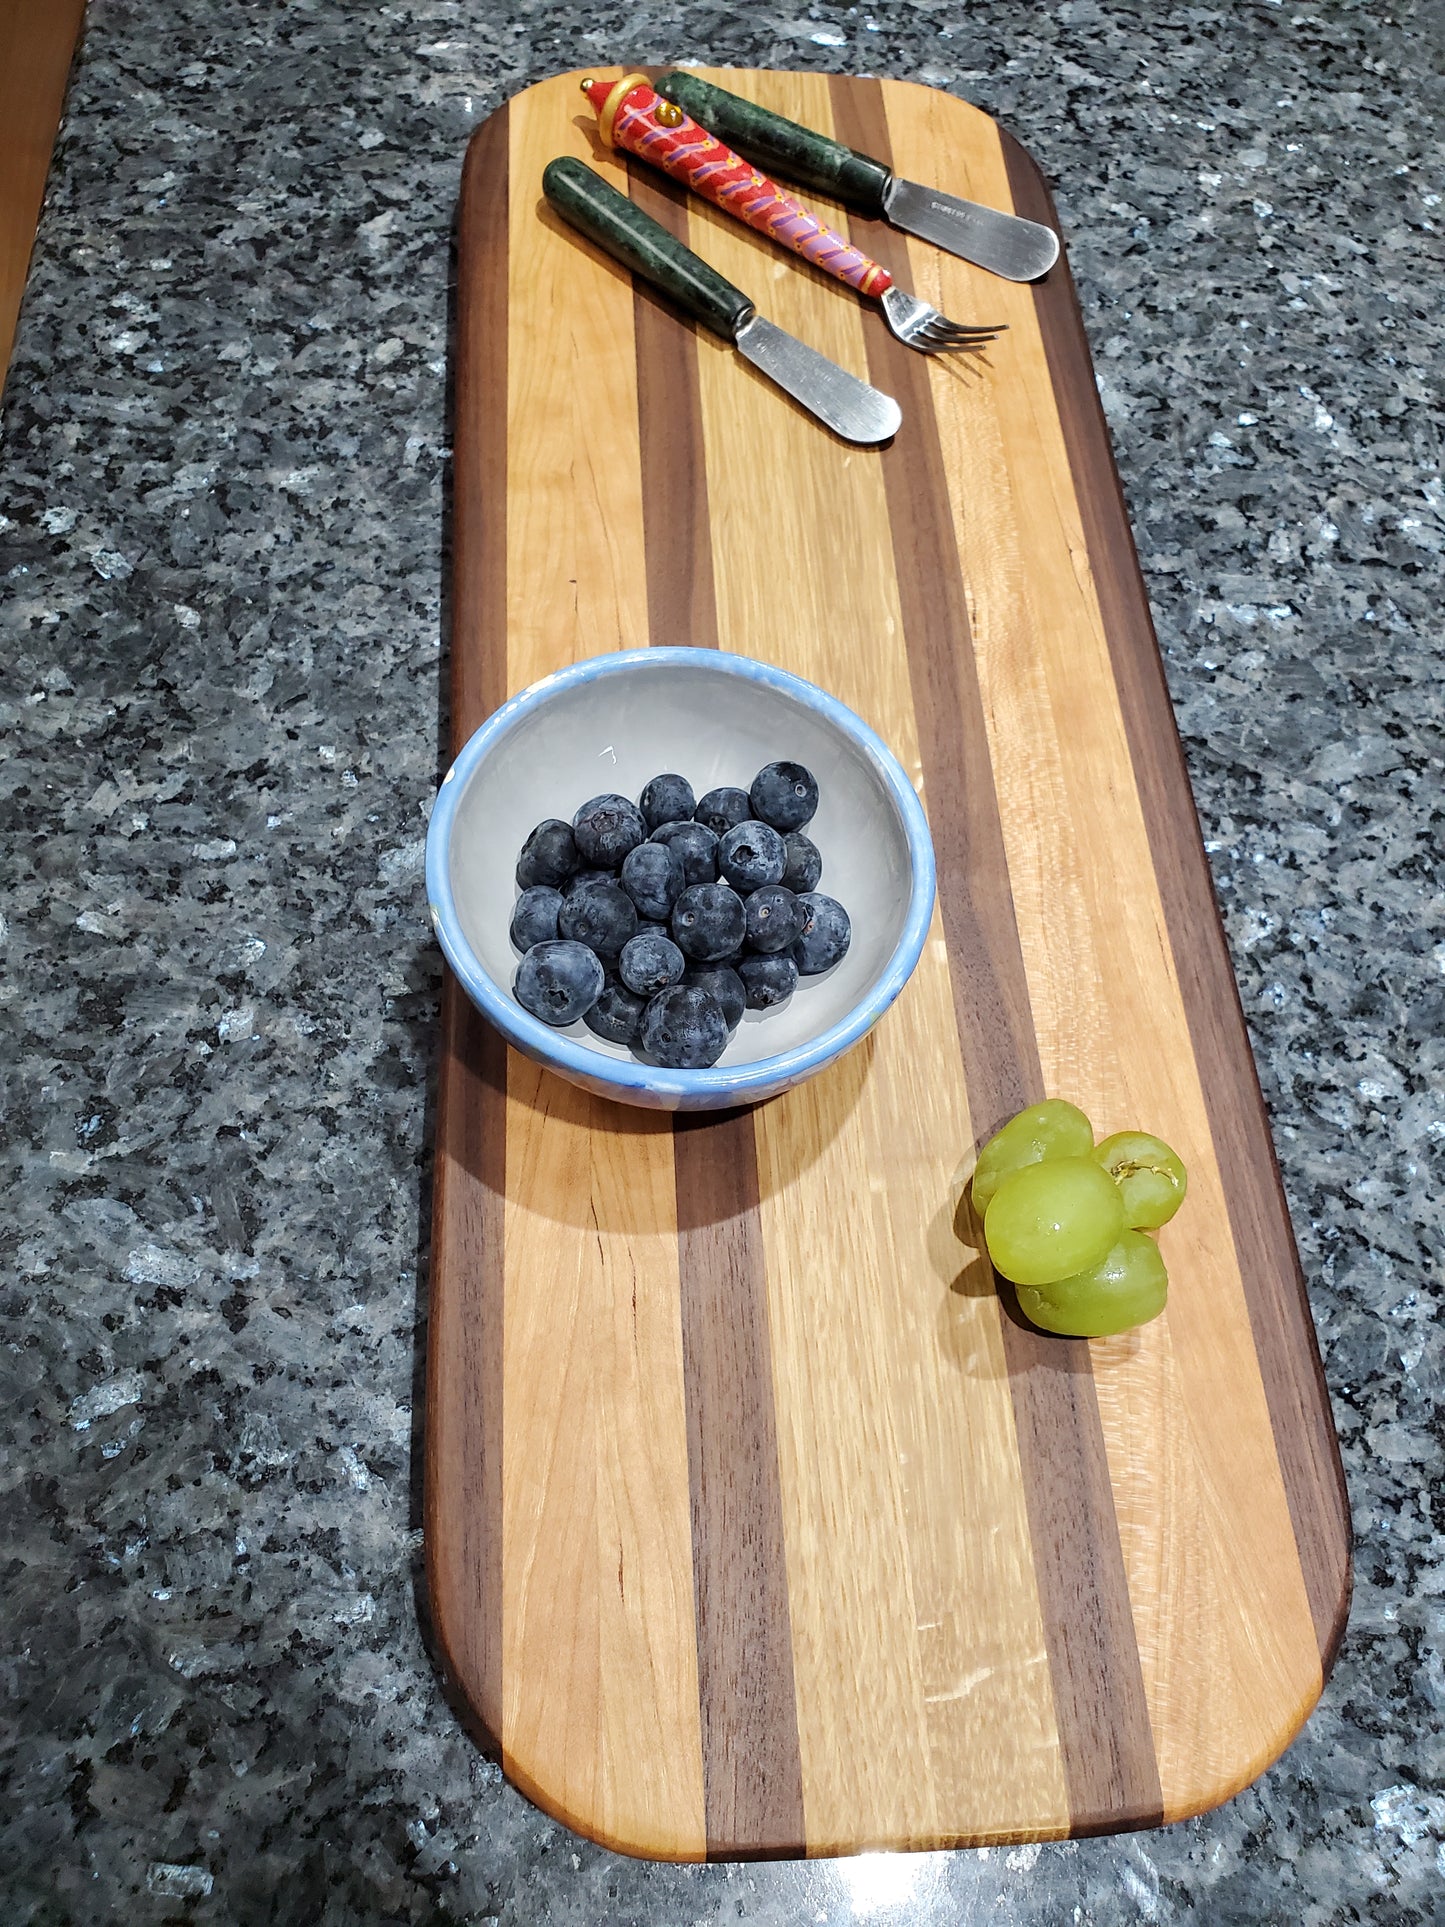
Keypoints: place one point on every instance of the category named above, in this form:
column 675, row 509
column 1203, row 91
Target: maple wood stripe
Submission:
column 464, row 1344
column 1274, row 1288
column 752, row 1765
column 681, row 605
column 1105, row 1739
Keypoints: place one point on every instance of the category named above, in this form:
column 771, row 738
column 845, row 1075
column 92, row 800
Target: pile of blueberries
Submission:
column 659, row 922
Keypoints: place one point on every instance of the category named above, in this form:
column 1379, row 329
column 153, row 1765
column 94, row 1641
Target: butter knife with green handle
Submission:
column 1005, row 244
column 630, row 235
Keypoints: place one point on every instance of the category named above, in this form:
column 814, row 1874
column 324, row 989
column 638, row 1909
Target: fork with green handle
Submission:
column 632, row 115
column 1005, row 244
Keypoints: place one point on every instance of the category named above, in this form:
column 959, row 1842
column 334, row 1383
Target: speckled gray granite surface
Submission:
column 221, row 487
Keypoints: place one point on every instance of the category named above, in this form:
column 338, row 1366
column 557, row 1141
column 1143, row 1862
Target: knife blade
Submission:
column 840, row 400
column 1005, row 244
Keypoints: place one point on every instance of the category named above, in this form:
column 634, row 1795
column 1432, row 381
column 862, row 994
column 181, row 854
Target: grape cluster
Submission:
column 659, row 922
column 1064, row 1219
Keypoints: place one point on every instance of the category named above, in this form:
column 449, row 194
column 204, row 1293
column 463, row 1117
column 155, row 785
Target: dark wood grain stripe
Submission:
column 1274, row 1286
column 681, row 604
column 464, row 1342
column 752, row 1764
column 1107, row 1747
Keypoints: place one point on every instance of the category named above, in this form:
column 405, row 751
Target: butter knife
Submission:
column 630, row 235
column 1005, row 244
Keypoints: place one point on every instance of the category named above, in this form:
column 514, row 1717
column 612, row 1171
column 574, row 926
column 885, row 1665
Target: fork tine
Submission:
column 927, row 347
column 940, row 328
column 934, row 345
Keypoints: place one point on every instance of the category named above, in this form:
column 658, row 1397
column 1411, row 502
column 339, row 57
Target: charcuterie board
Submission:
column 756, row 1523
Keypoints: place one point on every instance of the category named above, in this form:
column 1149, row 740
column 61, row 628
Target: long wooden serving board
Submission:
column 755, row 1524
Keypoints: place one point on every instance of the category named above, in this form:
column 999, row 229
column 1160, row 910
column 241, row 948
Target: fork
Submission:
column 633, row 116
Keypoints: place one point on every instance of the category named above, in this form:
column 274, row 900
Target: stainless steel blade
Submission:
column 1005, row 244
column 849, row 407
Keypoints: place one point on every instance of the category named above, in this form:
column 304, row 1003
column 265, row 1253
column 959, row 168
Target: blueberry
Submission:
column 684, row 1028
column 559, row 982
column 696, row 844
column 751, row 855
column 719, row 981
column 534, row 916
column 617, row 1014
column 652, row 876
column 584, row 880
column 826, row 934
column 651, row 927
column 720, row 809
column 650, row 964
column 667, row 799
column 602, row 916
column 774, row 920
column 549, row 856
column 785, row 795
column 606, row 828
column 768, row 980
column 708, row 922
column 805, row 863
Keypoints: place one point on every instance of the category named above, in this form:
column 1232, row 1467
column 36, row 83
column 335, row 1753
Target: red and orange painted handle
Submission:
column 632, row 116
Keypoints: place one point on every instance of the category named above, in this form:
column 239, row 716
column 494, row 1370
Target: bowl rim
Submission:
column 555, row 1047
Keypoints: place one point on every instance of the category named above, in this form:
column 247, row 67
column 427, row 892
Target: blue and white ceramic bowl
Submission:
column 612, row 722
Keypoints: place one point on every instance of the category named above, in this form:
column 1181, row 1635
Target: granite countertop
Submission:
column 220, row 510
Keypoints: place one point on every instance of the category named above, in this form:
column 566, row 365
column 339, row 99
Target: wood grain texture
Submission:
column 37, row 42
column 757, row 1523
column 1106, row 1007
column 1104, row 1741
column 1289, row 1359
column 752, row 1775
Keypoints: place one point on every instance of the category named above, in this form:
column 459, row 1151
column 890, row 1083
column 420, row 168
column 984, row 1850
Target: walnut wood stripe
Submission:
column 751, row 1766
column 681, row 603
column 464, row 1341
column 1104, row 1733
column 752, row 1773
column 1284, row 1340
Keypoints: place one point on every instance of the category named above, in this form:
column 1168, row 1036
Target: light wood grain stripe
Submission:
column 600, row 1683
column 1274, row 1287
column 1102, row 1715
column 576, row 568
column 464, row 1326
column 600, row 1689
column 752, row 1773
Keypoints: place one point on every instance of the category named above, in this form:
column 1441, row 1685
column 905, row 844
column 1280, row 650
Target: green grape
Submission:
column 1053, row 1129
column 1126, row 1288
column 1151, row 1178
column 1051, row 1220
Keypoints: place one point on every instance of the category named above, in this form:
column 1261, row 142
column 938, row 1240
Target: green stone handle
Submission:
column 644, row 245
column 781, row 146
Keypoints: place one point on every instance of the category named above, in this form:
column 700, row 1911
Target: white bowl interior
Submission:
column 613, row 733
